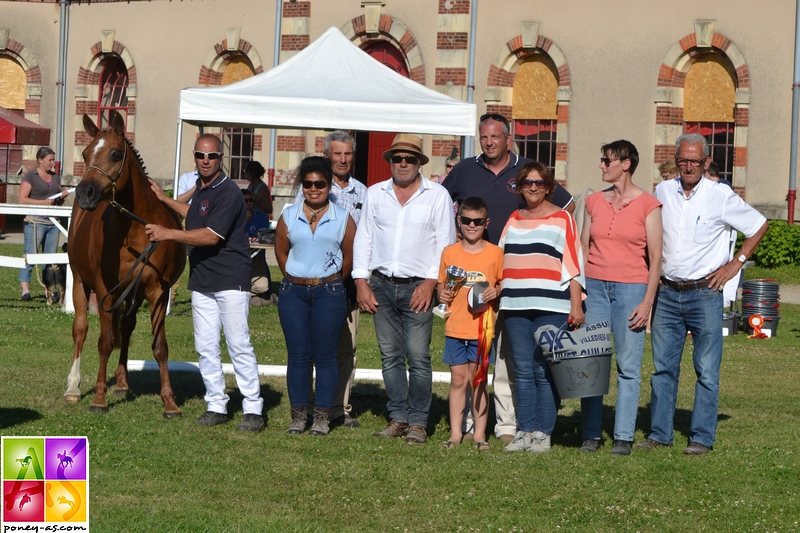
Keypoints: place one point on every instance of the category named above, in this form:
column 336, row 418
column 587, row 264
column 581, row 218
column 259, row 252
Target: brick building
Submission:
column 571, row 76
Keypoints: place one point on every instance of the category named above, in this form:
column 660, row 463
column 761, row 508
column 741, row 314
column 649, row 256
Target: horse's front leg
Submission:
column 105, row 344
column 80, row 326
column 158, row 312
column 128, row 324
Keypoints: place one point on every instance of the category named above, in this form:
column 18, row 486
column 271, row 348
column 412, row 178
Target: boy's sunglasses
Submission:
column 466, row 221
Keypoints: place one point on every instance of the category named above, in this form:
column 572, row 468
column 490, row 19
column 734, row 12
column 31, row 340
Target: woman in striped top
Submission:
column 542, row 285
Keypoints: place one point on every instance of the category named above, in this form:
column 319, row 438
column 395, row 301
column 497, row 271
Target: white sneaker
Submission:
column 521, row 443
column 540, row 442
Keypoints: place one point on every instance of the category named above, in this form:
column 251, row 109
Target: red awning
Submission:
column 15, row 129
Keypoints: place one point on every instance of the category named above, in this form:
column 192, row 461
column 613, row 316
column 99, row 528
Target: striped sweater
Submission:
column 540, row 258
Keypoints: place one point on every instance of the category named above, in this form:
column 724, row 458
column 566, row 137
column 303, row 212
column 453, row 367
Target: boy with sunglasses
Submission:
column 483, row 262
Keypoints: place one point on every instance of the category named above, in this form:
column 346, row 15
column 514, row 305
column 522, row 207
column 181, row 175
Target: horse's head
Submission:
column 105, row 160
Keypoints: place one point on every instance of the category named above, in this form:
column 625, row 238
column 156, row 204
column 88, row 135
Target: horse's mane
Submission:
column 136, row 153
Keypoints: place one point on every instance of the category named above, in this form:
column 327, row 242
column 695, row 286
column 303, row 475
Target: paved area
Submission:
column 790, row 294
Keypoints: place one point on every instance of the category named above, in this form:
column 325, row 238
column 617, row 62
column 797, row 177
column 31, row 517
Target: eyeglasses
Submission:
column 319, row 184
column 211, row 155
column 496, row 117
column 686, row 162
column 410, row 159
column 248, row 200
column 540, row 184
column 607, row 161
column 449, row 166
column 466, row 221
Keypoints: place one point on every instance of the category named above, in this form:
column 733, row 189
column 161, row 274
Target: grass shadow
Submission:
column 12, row 416
column 370, row 397
column 272, row 399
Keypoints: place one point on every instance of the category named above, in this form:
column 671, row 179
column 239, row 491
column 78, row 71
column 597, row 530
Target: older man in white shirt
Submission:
column 698, row 215
column 407, row 223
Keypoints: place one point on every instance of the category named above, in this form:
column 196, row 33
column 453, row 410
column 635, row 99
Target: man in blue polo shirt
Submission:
column 219, row 278
column 492, row 176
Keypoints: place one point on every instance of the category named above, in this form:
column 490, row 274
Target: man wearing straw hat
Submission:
column 697, row 215
column 407, row 222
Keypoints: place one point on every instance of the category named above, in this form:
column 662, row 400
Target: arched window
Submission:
column 238, row 142
column 535, row 110
column 387, row 54
column 709, row 102
column 12, row 98
column 113, row 92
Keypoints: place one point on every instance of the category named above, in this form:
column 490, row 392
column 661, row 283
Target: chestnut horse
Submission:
column 110, row 254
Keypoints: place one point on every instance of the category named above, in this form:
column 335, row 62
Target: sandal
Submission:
column 449, row 445
column 482, row 446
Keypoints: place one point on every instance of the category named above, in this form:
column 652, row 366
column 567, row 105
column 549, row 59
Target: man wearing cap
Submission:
column 406, row 224
column 698, row 215
column 492, row 176
column 351, row 194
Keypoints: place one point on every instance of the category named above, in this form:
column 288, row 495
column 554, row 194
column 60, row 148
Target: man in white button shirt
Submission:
column 407, row 222
column 698, row 215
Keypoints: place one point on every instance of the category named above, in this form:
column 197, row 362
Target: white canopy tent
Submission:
column 332, row 84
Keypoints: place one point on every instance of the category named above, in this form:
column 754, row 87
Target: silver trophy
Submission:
column 456, row 276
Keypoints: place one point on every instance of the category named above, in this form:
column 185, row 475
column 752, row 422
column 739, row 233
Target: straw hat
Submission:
column 405, row 142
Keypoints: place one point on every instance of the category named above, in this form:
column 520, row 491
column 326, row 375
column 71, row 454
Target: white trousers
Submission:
column 504, row 383
column 228, row 311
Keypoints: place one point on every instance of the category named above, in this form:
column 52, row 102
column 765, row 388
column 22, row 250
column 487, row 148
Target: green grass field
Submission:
column 154, row 475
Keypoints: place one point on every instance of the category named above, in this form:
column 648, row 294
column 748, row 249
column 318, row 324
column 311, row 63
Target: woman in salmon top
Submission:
column 622, row 235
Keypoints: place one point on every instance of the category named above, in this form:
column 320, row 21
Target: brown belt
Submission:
column 681, row 286
column 313, row 282
column 394, row 279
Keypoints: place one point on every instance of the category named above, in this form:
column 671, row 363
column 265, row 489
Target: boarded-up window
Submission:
column 12, row 84
column 535, row 110
column 238, row 142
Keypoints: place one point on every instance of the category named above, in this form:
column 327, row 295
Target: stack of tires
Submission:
column 761, row 297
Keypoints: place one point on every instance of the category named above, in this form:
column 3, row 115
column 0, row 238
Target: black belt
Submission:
column 681, row 286
column 394, row 279
column 313, row 282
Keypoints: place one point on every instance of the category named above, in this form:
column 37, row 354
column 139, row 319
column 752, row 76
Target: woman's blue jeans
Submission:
column 46, row 239
column 537, row 397
column 612, row 301
column 311, row 318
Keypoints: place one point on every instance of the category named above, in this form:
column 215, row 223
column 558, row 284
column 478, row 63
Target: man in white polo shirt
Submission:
column 698, row 215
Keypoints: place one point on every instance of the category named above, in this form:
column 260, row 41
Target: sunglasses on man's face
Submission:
column 607, row 161
column 466, row 221
column 211, row 155
column 248, row 200
column 540, row 184
column 319, row 184
column 410, row 159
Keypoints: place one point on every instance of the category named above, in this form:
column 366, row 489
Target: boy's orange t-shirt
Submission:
column 486, row 265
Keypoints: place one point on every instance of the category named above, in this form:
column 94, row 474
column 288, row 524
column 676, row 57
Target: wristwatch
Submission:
column 742, row 259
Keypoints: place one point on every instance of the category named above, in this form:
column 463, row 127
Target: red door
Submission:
column 377, row 169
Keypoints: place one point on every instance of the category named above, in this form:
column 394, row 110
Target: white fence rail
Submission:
column 52, row 212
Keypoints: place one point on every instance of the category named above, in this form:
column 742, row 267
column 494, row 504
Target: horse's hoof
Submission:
column 101, row 409
column 72, row 398
column 120, row 392
column 175, row 414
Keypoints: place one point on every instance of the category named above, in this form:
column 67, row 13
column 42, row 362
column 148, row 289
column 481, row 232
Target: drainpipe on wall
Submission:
column 468, row 146
column 275, row 60
column 61, row 94
column 792, row 195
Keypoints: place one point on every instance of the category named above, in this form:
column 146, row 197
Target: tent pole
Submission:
column 468, row 145
column 177, row 160
column 276, row 57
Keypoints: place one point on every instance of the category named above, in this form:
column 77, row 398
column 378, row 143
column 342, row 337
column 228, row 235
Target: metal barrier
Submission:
column 52, row 212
